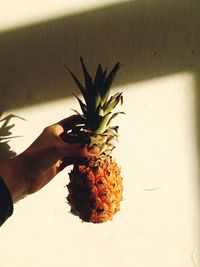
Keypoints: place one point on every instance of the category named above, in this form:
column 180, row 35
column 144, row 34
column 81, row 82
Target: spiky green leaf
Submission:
column 82, row 105
column 80, row 86
column 87, row 77
column 92, row 93
column 98, row 76
column 97, row 107
column 105, row 90
column 103, row 120
column 100, row 110
column 113, row 116
column 78, row 113
column 112, row 102
column 114, row 129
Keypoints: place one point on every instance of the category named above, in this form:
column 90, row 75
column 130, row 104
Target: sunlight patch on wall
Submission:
column 21, row 13
column 158, row 108
column 159, row 132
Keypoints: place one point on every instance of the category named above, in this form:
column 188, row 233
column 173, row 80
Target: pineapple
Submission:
column 95, row 187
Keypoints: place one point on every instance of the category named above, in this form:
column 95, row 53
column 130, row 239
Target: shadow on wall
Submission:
column 151, row 38
column 5, row 136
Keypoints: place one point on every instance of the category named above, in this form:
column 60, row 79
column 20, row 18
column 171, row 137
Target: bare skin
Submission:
column 43, row 160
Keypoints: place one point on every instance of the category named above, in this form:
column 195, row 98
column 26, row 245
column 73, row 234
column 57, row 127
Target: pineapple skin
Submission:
column 95, row 189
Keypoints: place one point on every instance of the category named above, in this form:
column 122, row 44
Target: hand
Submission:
column 43, row 159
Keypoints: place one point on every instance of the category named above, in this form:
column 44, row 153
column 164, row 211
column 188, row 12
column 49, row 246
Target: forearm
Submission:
column 11, row 173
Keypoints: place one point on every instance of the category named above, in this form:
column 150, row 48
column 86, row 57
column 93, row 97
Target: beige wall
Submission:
column 158, row 43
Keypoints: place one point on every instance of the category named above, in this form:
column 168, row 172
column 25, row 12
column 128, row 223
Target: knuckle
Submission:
column 46, row 129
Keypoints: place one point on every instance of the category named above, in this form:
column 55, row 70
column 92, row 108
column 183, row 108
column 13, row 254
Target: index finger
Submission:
column 70, row 122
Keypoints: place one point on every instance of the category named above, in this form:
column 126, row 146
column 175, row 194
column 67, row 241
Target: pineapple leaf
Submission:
column 88, row 79
column 112, row 102
column 80, row 86
column 78, row 113
column 113, row 116
column 100, row 110
column 98, row 76
column 97, row 100
column 82, row 105
column 121, row 99
column 108, row 82
column 92, row 93
column 97, row 85
column 114, row 128
column 98, row 82
column 104, row 74
column 97, row 106
column 103, row 120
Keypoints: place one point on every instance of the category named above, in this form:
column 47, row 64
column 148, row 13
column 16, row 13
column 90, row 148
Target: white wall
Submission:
column 158, row 151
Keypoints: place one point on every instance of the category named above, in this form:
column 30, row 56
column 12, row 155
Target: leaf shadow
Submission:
column 6, row 135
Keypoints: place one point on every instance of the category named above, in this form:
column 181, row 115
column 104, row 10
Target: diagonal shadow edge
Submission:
column 151, row 39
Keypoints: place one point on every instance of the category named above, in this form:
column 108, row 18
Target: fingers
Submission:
column 60, row 128
column 76, row 154
column 93, row 151
column 80, row 160
column 70, row 122
column 72, row 139
column 55, row 129
column 78, row 150
column 64, row 155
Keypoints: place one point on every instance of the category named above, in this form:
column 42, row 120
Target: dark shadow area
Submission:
column 6, row 135
column 151, row 38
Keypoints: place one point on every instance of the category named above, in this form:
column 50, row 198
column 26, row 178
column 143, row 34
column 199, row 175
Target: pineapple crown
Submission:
column 98, row 105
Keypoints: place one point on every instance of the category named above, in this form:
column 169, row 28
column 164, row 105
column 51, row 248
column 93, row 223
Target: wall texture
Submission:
column 159, row 148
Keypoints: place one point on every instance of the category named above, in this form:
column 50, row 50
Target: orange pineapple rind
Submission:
column 102, row 197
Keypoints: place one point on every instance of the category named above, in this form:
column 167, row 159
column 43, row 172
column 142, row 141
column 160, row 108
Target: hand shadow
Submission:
column 6, row 135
